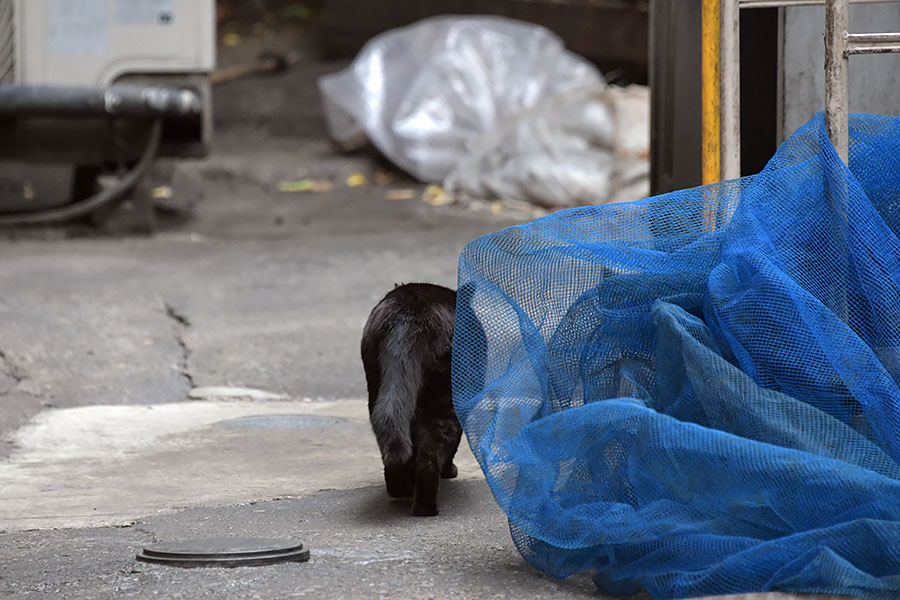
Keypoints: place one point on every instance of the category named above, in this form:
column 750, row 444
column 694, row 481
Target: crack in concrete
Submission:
column 177, row 316
column 141, row 529
column 181, row 323
column 12, row 371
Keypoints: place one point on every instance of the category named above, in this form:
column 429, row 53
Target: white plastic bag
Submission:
column 427, row 94
column 561, row 153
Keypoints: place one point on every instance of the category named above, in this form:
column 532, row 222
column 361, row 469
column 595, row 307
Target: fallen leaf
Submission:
column 357, row 180
column 302, row 185
column 161, row 192
column 404, row 194
column 306, row 185
column 435, row 195
column 231, row 39
column 496, row 208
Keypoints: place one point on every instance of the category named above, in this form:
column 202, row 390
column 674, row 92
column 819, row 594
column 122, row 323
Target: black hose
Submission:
column 104, row 197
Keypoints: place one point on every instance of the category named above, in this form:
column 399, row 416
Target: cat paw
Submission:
column 400, row 491
column 399, row 481
column 449, row 471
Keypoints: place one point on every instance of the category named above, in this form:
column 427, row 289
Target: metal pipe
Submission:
column 872, row 43
column 836, row 76
column 873, row 49
column 874, row 38
column 710, row 92
column 721, row 93
column 837, row 116
column 730, row 89
column 116, row 100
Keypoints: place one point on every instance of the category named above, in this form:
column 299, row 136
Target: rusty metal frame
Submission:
column 840, row 44
column 721, row 118
column 784, row 3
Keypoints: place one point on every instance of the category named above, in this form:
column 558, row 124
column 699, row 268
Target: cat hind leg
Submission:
column 427, row 482
column 453, row 435
column 400, row 479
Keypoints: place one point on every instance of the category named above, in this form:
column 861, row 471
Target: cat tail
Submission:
column 401, row 379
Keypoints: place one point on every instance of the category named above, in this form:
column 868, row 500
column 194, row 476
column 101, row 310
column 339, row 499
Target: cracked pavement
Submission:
column 11, row 375
column 181, row 323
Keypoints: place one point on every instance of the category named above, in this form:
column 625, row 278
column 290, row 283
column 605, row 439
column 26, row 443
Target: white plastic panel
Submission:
column 93, row 42
column 8, row 48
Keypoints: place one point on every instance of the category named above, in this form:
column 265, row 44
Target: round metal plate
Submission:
column 224, row 552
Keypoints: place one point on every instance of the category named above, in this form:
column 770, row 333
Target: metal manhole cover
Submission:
column 224, row 552
column 280, row 422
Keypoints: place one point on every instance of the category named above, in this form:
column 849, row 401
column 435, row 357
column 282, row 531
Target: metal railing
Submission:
column 839, row 45
column 721, row 152
column 784, row 3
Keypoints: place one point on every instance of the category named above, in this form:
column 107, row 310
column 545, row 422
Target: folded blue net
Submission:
column 697, row 393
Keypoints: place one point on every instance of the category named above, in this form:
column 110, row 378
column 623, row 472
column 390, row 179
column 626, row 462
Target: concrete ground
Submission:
column 205, row 381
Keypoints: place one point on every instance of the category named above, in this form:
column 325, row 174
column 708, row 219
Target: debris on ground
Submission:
column 306, row 185
column 162, row 192
column 268, row 62
column 435, row 196
column 400, row 194
column 357, row 180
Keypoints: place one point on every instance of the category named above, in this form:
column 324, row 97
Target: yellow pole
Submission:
column 709, row 73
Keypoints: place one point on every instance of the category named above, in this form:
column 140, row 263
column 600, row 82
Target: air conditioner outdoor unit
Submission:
column 92, row 82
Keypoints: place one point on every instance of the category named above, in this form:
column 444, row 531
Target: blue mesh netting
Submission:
column 697, row 393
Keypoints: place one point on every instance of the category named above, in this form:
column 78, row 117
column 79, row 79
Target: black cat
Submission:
column 406, row 352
